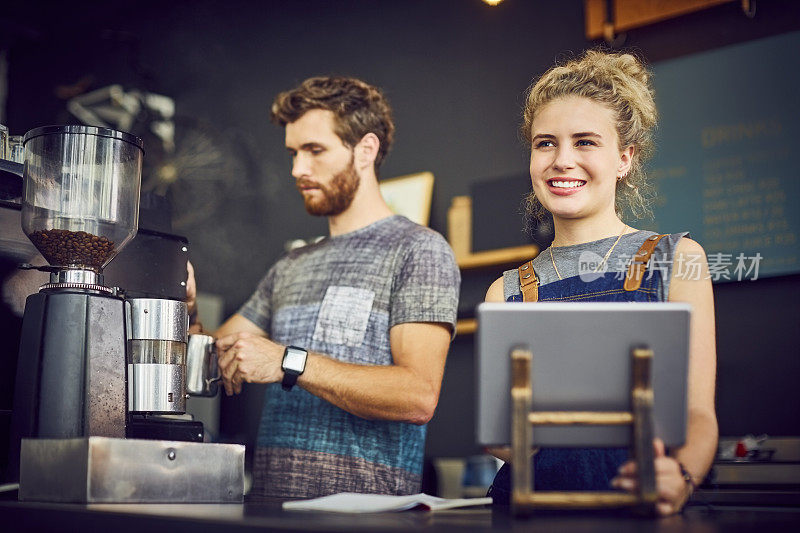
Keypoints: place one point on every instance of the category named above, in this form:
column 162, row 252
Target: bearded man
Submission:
column 351, row 332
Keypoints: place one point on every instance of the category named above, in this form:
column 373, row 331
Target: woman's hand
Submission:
column 673, row 490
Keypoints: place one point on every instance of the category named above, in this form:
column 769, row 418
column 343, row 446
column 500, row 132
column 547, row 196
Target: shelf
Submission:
column 502, row 256
column 466, row 326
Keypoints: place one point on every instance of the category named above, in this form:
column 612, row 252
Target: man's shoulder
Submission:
column 392, row 239
column 410, row 232
column 398, row 233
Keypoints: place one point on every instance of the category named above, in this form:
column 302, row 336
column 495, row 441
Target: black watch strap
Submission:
column 289, row 379
column 293, row 364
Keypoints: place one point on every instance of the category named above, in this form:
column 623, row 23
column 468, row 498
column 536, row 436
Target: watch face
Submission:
column 294, row 360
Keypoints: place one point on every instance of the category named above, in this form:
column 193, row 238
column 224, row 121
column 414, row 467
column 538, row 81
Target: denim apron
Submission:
column 570, row 469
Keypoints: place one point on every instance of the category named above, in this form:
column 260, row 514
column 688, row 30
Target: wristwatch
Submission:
column 687, row 477
column 293, row 364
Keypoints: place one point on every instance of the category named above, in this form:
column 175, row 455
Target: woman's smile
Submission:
column 565, row 186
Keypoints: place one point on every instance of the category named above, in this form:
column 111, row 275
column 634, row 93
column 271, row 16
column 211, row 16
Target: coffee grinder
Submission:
column 95, row 367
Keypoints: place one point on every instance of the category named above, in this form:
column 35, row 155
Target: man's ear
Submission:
column 366, row 151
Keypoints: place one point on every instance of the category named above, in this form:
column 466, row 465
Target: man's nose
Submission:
column 300, row 167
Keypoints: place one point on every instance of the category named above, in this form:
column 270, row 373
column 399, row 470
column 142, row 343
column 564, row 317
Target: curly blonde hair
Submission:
column 621, row 82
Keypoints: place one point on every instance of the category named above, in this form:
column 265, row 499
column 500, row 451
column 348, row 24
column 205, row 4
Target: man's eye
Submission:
column 316, row 151
column 585, row 142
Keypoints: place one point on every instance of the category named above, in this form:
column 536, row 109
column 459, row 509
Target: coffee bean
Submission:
column 63, row 247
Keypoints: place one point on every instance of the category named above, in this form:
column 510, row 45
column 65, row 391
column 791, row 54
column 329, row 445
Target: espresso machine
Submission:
column 101, row 378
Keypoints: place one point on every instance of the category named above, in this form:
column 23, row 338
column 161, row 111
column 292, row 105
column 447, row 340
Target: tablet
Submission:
column 581, row 362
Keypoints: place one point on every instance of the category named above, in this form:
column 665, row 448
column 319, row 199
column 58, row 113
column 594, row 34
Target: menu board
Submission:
column 726, row 166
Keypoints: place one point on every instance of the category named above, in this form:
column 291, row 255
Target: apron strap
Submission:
column 528, row 282
column 638, row 266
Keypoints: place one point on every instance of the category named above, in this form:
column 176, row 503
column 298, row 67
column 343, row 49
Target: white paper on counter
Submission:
column 351, row 502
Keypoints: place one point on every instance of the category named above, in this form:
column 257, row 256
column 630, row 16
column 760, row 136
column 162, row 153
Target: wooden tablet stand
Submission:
column 523, row 498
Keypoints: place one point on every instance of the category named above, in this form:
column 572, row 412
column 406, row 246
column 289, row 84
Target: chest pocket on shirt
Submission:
column 343, row 315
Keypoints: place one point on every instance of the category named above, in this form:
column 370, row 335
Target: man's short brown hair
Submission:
column 358, row 107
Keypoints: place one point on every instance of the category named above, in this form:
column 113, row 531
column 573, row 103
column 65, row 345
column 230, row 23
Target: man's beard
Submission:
column 336, row 196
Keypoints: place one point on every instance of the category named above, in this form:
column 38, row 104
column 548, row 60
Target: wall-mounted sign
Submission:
column 726, row 161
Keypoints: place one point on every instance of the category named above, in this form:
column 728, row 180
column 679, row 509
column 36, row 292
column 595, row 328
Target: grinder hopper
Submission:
column 81, row 194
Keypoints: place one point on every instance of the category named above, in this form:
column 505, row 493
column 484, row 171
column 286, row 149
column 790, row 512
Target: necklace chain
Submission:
column 603, row 262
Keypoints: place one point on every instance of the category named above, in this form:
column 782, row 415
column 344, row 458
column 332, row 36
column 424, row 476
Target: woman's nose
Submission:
column 564, row 158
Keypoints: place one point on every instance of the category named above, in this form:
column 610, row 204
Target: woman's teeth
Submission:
column 566, row 184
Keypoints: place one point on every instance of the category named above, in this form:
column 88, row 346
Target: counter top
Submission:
column 268, row 515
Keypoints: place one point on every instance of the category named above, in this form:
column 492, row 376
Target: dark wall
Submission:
column 455, row 73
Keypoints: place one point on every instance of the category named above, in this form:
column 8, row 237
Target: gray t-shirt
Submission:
column 340, row 297
column 583, row 259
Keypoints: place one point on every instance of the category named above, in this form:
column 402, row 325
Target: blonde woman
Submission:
column 589, row 125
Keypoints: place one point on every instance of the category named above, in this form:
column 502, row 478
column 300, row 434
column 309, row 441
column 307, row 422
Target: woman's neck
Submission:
column 579, row 231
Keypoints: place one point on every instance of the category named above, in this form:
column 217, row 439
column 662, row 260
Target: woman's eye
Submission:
column 585, row 142
column 544, row 144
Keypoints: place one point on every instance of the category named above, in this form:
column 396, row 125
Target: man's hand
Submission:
column 191, row 289
column 247, row 357
column 406, row 391
column 672, row 488
column 191, row 300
